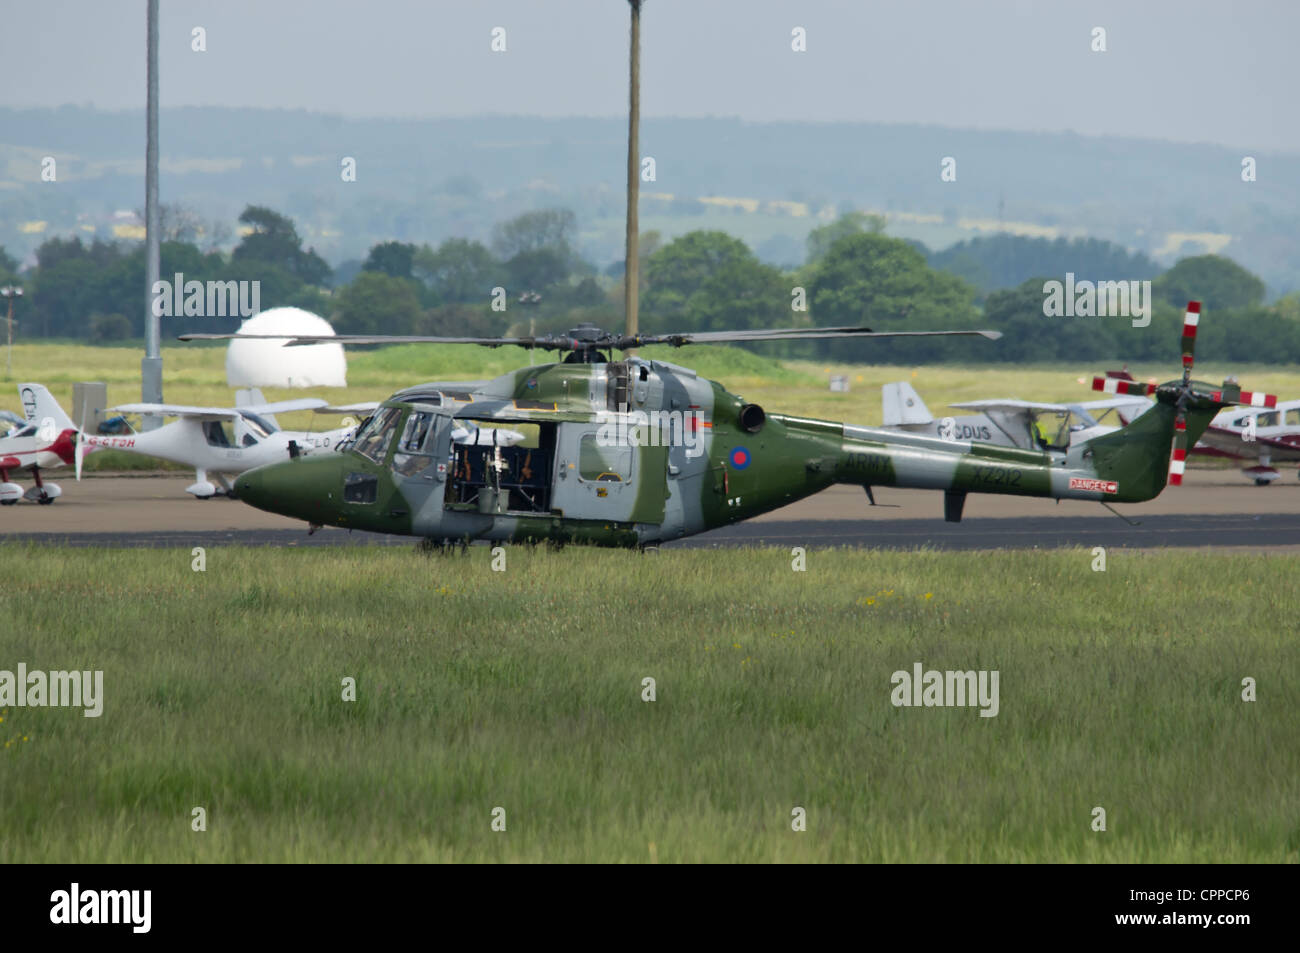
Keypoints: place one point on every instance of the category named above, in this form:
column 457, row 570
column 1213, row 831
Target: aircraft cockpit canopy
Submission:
column 1051, row 429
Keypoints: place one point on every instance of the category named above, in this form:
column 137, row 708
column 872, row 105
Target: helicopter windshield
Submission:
column 373, row 439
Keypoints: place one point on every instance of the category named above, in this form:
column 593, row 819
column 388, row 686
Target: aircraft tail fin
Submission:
column 39, row 405
column 902, row 405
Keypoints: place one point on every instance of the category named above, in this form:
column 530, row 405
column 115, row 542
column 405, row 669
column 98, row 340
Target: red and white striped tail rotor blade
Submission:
column 1178, row 459
column 1190, row 320
column 1112, row 385
column 1256, row 399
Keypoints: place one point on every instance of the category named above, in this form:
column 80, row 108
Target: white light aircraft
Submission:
column 223, row 442
column 1028, row 425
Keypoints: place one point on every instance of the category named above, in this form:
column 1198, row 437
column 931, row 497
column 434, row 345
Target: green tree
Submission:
column 1005, row 261
column 376, row 303
column 821, row 239
column 459, row 270
column 1217, row 282
column 551, row 228
column 392, row 258
column 870, row 279
column 109, row 327
column 708, row 280
column 537, row 269
column 274, row 240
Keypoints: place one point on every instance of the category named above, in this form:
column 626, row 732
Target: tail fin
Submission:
column 1136, row 457
column 902, row 405
column 39, row 404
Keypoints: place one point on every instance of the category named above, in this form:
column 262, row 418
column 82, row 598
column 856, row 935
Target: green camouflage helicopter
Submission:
column 639, row 452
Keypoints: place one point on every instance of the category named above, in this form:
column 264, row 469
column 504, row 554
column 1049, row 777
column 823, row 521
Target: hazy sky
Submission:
column 1222, row 72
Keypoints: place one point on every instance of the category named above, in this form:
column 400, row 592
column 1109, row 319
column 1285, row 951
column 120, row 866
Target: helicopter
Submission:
column 635, row 452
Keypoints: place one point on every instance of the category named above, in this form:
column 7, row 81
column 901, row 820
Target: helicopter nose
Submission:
column 251, row 488
column 301, row 488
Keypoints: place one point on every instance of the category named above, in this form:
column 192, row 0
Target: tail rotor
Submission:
column 1185, row 393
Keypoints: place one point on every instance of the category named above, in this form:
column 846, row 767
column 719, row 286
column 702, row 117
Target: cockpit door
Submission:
column 422, row 452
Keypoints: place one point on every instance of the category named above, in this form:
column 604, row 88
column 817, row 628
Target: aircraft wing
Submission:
column 365, row 407
column 178, row 410
column 285, row 406
column 1008, row 406
column 1114, row 402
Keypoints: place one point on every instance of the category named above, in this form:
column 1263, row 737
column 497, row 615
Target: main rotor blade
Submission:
column 784, row 334
column 303, row 339
column 602, row 339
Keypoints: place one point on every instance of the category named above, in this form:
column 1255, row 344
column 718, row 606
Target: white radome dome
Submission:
column 270, row 364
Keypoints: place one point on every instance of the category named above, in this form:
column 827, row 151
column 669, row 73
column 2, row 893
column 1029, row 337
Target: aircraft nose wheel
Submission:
column 45, row 500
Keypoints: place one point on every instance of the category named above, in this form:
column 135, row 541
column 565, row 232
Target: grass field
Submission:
column 196, row 375
column 522, row 689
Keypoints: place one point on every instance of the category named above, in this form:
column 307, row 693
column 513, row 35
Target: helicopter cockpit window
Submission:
column 373, row 439
column 413, row 456
column 603, row 464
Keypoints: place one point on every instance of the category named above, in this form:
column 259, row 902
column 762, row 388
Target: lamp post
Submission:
column 631, row 276
column 10, row 292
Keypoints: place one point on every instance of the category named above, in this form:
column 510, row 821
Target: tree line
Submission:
column 530, row 278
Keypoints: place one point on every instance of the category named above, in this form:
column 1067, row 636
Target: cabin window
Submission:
column 360, row 488
column 217, row 433
column 1293, row 417
column 603, row 464
column 411, row 464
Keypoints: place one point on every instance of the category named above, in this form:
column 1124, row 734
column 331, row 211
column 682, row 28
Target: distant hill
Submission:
column 768, row 183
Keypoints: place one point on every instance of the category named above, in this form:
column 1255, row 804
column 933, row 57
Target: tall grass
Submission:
column 523, row 690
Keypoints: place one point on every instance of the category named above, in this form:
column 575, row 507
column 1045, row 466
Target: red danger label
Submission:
column 1099, row 486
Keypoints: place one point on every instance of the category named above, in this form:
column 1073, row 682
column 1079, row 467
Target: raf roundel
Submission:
column 740, row 458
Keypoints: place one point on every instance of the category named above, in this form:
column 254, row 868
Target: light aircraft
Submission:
column 220, row 442
column 1025, row 424
column 41, row 442
column 636, row 452
column 1259, row 436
